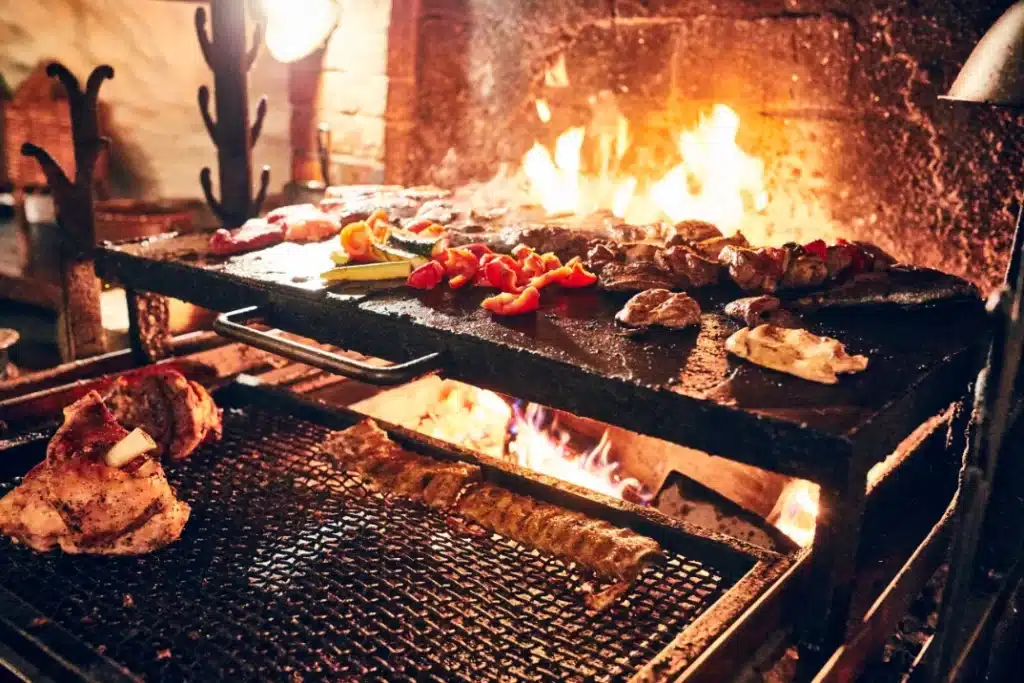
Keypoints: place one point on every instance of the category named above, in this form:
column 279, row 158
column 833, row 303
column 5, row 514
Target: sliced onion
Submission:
column 130, row 447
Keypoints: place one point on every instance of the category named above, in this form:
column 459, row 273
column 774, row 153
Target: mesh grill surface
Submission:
column 289, row 571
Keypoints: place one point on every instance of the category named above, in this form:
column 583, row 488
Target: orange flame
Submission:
column 716, row 181
column 796, row 511
column 543, row 110
column 545, row 448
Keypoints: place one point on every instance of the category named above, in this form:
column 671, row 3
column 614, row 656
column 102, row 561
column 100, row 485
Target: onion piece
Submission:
column 130, row 447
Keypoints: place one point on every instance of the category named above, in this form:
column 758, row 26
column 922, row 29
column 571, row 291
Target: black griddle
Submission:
column 289, row 569
column 679, row 386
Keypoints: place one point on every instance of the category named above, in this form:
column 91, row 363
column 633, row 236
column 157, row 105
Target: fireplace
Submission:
column 836, row 99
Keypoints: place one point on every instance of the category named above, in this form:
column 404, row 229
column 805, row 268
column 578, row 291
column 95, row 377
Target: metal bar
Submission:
column 226, row 326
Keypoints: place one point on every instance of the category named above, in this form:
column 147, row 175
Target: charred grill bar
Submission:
column 328, row 581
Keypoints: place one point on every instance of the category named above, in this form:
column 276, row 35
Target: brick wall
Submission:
column 839, row 97
column 345, row 86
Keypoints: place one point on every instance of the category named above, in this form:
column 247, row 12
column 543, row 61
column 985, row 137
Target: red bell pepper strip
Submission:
column 578, row 276
column 427, row 276
column 501, row 275
column 521, row 251
column 550, row 261
column 508, row 303
column 419, row 225
column 479, row 250
column 817, row 248
column 558, row 275
column 459, row 262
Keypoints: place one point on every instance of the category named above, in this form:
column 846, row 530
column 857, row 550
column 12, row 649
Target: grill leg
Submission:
column 825, row 613
column 148, row 326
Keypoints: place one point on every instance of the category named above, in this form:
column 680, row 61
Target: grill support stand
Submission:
column 823, row 621
column 79, row 324
column 230, row 60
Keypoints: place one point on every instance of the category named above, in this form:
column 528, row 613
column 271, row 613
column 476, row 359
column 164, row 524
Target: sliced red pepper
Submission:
column 550, row 261
column 557, row 275
column 459, row 261
column 433, row 230
column 578, row 277
column 479, row 250
column 533, row 265
column 513, row 304
column 459, row 281
column 501, row 275
column 521, row 251
column 419, row 225
column 427, row 276
column 817, row 248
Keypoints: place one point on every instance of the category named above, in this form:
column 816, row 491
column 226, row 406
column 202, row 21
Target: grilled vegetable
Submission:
column 357, row 241
column 508, row 303
column 340, row 258
column 412, row 242
column 427, row 276
column 384, row 253
column 390, row 270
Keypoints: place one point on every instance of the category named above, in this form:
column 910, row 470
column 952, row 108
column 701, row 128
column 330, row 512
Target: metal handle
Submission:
column 323, row 149
column 227, row 326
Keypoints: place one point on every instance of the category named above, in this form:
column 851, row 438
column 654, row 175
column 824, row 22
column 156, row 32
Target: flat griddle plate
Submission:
column 679, row 386
column 289, row 571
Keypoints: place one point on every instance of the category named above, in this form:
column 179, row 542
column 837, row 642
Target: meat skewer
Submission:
column 457, row 487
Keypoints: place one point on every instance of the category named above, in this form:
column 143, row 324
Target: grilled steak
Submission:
column 178, row 414
column 688, row 266
column 659, row 307
column 75, row 500
column 255, row 234
column 759, row 270
column 635, row 277
column 711, row 248
column 752, row 310
column 691, row 232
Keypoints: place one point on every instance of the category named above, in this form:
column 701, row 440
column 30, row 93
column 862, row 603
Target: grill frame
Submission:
column 58, row 650
column 787, row 441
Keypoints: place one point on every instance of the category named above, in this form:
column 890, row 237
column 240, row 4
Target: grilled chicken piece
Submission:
column 688, row 266
column 594, row 543
column 659, row 307
column 178, row 414
column 759, row 269
column 796, row 352
column 74, row 499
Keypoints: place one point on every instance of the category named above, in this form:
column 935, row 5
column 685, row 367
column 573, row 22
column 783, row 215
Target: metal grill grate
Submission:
column 289, row 571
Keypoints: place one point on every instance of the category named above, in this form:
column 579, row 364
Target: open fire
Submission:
column 715, row 181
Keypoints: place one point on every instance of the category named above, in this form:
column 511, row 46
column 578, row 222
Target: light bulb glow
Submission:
column 296, row 28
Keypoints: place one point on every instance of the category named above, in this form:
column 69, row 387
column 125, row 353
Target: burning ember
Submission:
column 545, row 448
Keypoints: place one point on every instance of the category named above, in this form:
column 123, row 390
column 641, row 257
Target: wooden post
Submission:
column 230, row 60
column 79, row 324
